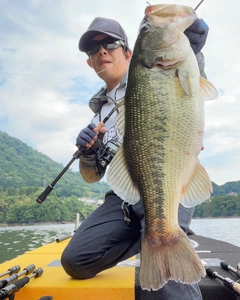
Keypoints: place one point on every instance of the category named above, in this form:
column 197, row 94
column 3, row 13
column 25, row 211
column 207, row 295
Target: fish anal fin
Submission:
column 160, row 264
column 208, row 91
column 198, row 189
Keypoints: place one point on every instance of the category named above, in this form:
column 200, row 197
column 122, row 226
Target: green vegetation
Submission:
column 24, row 174
column 19, row 206
column 219, row 206
column 226, row 188
column 21, row 166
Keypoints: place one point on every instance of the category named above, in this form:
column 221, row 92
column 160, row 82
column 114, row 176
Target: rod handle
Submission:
column 44, row 194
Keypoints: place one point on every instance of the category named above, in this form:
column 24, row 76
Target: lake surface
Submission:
column 17, row 240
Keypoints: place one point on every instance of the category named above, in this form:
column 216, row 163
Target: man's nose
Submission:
column 102, row 50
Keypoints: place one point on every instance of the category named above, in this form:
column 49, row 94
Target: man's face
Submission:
column 108, row 63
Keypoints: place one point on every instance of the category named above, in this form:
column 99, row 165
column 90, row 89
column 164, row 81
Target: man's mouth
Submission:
column 102, row 62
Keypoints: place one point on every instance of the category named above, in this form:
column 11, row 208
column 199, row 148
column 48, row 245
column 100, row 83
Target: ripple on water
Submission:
column 26, row 238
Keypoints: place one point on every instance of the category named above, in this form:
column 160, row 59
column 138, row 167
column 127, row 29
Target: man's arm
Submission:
column 88, row 168
column 90, row 139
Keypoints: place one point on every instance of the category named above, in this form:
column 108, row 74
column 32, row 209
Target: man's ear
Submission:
column 128, row 55
column 89, row 62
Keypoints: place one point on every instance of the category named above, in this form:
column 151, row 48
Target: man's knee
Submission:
column 75, row 268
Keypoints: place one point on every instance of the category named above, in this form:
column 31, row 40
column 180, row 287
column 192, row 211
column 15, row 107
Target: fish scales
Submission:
column 154, row 144
column 163, row 130
column 145, row 144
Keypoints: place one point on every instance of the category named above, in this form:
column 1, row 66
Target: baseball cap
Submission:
column 102, row 25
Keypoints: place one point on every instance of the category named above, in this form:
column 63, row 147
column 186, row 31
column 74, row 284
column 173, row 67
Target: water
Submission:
column 226, row 230
column 15, row 241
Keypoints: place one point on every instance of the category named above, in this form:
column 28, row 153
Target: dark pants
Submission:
column 104, row 239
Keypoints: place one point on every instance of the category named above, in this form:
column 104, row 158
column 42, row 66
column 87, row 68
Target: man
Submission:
column 107, row 237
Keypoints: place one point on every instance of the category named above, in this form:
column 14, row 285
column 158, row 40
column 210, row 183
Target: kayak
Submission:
column 120, row 282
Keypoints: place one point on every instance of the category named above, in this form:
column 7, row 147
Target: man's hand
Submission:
column 197, row 35
column 88, row 137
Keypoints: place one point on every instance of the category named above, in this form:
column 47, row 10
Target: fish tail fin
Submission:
column 173, row 259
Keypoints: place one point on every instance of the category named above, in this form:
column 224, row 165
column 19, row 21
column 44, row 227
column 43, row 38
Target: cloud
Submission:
column 45, row 83
column 222, row 141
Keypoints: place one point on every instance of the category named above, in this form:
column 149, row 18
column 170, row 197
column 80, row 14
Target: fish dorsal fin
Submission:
column 207, row 89
column 118, row 176
column 198, row 189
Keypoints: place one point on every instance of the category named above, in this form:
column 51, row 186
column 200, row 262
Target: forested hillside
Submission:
column 19, row 206
column 219, row 206
column 21, row 166
column 226, row 188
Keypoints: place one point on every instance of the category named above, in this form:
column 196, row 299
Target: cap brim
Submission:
column 87, row 36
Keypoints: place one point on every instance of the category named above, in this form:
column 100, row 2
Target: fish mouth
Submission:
column 166, row 64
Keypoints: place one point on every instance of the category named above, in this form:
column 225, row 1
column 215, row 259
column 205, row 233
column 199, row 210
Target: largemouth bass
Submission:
column 162, row 121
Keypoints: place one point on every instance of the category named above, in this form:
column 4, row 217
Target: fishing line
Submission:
column 59, row 78
column 32, row 76
column 41, row 77
column 106, row 67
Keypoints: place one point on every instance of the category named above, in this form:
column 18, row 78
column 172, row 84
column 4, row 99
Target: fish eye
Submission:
column 145, row 27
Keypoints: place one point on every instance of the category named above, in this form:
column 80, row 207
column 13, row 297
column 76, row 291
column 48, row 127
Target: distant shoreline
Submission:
column 72, row 222
column 34, row 224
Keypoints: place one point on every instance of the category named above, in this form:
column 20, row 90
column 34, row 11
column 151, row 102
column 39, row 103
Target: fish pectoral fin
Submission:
column 199, row 188
column 185, row 82
column 208, row 91
column 119, row 179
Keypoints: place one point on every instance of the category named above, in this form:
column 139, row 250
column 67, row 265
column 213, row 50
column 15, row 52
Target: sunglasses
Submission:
column 108, row 44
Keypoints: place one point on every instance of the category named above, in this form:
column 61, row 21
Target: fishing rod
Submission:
column 13, row 278
column 11, row 289
column 198, row 5
column 227, row 267
column 11, row 271
column 76, row 155
column 229, row 283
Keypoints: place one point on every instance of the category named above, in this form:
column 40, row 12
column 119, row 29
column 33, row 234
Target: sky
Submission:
column 45, row 82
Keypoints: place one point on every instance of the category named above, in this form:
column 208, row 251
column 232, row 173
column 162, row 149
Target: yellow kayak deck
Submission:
column 115, row 283
column 120, row 282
